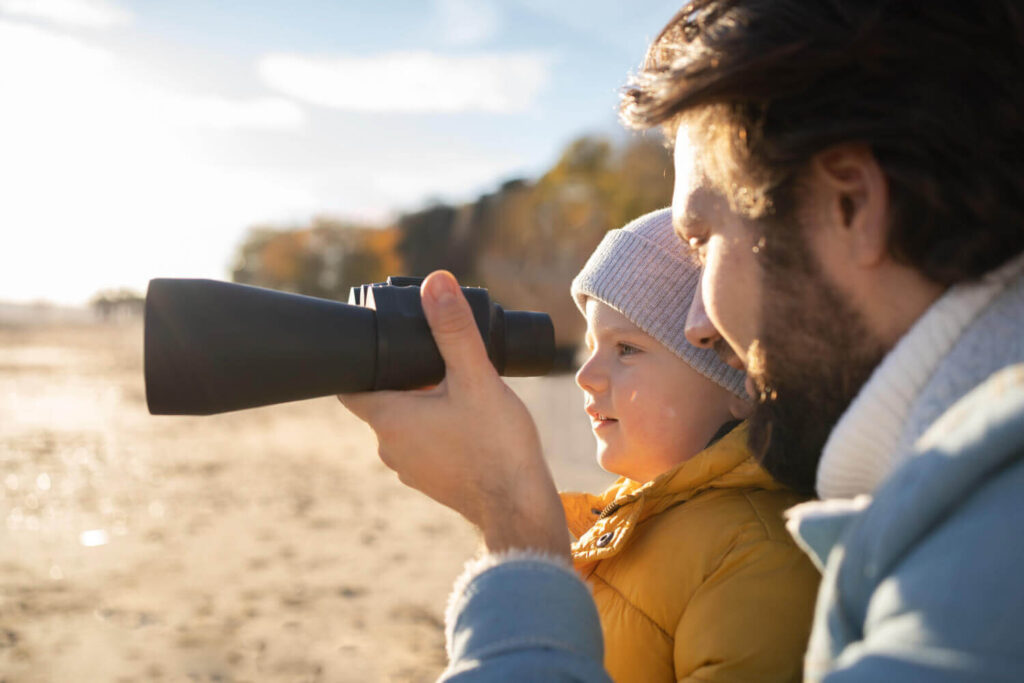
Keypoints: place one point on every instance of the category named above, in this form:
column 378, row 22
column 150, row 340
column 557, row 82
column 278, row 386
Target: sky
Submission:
column 141, row 138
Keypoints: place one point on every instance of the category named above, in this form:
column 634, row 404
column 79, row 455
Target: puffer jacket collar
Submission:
column 604, row 523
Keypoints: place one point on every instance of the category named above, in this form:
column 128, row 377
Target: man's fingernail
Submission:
column 441, row 289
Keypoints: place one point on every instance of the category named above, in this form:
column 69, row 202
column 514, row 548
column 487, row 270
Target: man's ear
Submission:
column 853, row 198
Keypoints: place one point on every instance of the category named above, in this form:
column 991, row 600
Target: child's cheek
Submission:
column 652, row 418
column 661, row 422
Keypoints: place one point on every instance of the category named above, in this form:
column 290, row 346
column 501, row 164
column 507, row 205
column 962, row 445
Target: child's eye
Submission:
column 626, row 349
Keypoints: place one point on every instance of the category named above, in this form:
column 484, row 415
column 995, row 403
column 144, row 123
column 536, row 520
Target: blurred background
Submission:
column 307, row 146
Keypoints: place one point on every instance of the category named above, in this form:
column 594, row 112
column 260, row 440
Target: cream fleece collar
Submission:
column 861, row 451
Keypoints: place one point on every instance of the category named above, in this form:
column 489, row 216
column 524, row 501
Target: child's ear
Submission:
column 741, row 408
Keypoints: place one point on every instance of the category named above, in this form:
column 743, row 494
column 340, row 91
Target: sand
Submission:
column 263, row 545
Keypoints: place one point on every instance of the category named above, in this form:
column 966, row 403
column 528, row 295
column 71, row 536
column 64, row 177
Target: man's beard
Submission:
column 814, row 354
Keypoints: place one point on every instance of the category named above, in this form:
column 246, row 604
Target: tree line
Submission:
column 524, row 242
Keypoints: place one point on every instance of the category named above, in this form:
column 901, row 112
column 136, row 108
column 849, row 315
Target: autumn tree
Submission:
column 324, row 259
column 525, row 241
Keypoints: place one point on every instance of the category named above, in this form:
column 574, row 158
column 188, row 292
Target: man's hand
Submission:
column 468, row 443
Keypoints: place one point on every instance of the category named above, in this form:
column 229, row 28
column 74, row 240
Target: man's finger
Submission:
column 454, row 328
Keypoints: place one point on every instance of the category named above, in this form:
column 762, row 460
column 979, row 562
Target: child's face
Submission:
column 649, row 409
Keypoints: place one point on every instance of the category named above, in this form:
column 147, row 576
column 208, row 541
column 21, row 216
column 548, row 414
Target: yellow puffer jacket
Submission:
column 694, row 574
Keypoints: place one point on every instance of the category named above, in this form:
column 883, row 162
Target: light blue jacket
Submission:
column 524, row 620
column 925, row 584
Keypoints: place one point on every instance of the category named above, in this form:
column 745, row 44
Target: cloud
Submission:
column 215, row 112
column 105, row 175
column 55, row 80
column 466, row 22
column 30, row 57
column 112, row 175
column 411, row 81
column 80, row 13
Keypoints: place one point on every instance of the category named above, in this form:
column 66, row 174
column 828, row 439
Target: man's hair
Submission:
column 935, row 88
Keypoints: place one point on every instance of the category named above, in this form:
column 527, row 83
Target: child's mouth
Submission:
column 600, row 419
column 597, row 418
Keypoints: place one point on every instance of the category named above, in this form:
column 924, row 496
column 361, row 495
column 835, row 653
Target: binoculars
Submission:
column 213, row 347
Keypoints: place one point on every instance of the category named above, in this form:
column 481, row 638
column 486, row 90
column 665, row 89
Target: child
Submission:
column 692, row 570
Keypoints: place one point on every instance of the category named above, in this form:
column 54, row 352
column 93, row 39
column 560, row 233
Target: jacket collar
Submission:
column 863, row 538
column 603, row 523
column 863, row 448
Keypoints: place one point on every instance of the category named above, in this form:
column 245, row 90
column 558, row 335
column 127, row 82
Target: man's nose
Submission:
column 699, row 330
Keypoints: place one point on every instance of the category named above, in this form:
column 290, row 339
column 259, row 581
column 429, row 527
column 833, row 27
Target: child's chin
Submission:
column 611, row 461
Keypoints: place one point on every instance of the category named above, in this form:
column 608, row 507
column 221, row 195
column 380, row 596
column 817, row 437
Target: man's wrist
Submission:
column 499, row 538
column 531, row 522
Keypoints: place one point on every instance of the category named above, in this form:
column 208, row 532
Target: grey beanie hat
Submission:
column 644, row 272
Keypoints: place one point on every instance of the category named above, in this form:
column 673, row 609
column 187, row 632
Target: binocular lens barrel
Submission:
column 213, row 347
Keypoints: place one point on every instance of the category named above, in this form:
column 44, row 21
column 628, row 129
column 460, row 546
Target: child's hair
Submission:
column 646, row 273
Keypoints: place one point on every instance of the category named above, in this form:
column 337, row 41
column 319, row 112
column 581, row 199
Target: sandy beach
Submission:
column 264, row 545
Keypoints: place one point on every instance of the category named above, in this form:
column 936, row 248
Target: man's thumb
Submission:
column 453, row 326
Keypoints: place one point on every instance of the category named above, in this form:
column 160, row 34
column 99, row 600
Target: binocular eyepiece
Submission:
column 213, row 347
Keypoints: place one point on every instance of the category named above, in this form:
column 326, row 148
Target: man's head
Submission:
column 838, row 165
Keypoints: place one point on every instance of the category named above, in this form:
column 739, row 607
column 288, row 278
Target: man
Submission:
column 850, row 174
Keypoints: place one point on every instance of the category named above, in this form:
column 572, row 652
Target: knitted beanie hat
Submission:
column 644, row 272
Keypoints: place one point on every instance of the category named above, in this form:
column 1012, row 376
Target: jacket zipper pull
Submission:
column 609, row 509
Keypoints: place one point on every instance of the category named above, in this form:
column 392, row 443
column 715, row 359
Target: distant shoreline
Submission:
column 44, row 313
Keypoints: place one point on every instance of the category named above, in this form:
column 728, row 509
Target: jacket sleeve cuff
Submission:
column 518, row 600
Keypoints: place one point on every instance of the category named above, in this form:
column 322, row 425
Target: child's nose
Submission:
column 590, row 377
